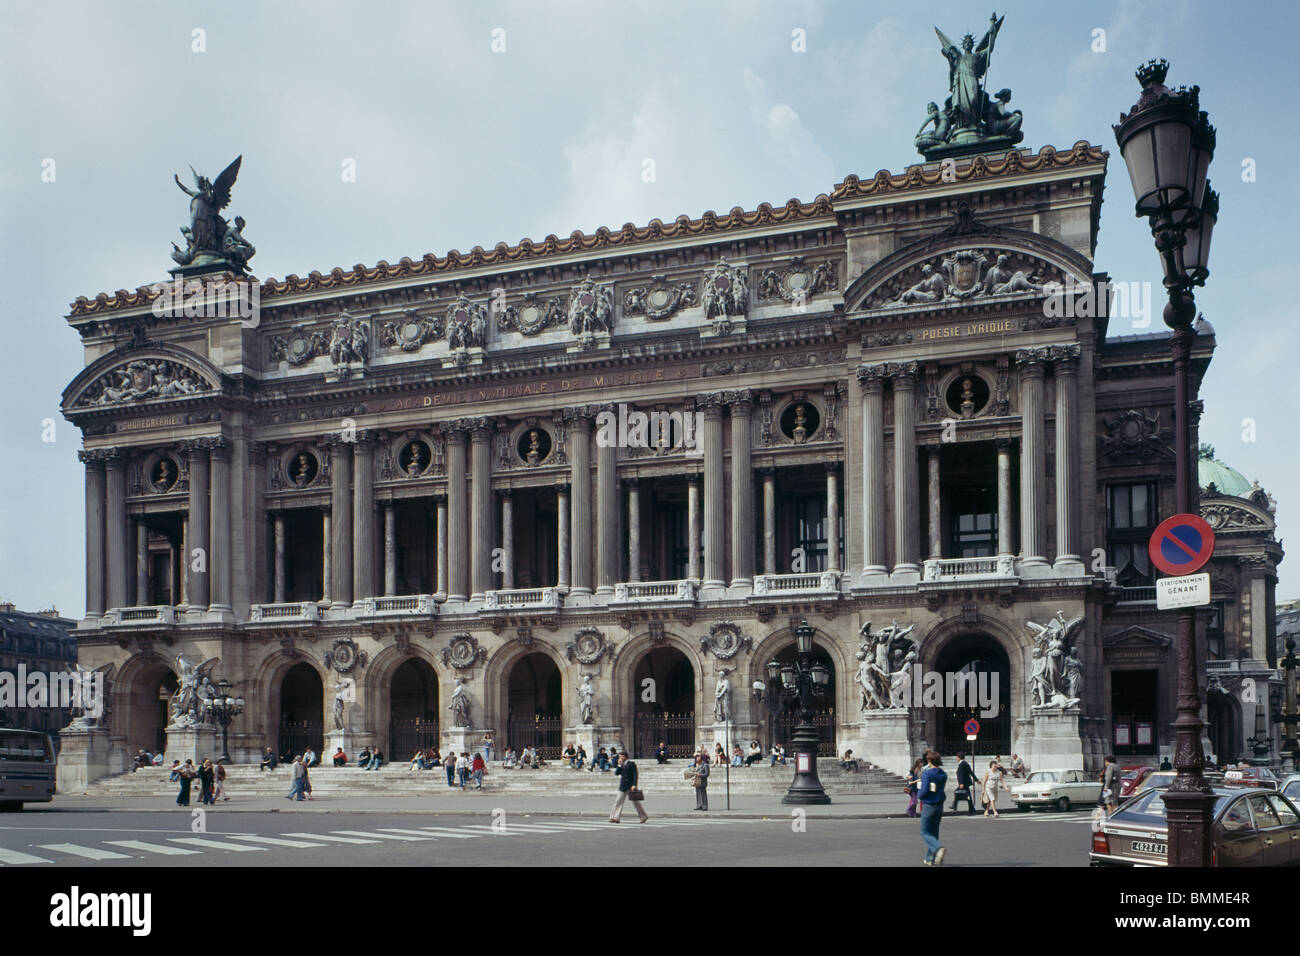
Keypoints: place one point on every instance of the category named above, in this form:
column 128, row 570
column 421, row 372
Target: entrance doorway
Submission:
column 663, row 689
column 1133, row 712
column 535, row 698
column 974, row 661
column 302, row 707
column 413, row 709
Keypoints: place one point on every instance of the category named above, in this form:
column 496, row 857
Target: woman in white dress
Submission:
column 992, row 780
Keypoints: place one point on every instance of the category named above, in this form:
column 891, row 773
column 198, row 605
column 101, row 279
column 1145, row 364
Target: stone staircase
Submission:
column 555, row 779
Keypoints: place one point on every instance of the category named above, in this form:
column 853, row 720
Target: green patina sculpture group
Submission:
column 212, row 244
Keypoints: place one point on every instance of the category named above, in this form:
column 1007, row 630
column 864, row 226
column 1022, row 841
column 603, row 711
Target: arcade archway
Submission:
column 1224, row 728
column 302, row 709
column 663, row 694
column 535, row 705
column 147, row 711
column 977, row 668
column 413, row 709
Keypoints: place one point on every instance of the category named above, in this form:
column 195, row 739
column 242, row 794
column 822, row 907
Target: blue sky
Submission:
column 456, row 145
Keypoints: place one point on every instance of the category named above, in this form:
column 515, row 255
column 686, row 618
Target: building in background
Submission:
column 38, row 642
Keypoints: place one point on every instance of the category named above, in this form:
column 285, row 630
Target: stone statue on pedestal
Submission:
column 722, row 697
column 459, row 705
column 585, row 694
column 345, row 692
column 882, row 657
column 186, row 705
column 1056, row 673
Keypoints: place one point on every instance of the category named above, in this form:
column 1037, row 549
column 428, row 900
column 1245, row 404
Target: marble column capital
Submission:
column 1032, row 361
column 580, row 415
column 1195, row 409
column 98, row 457
column 339, row 439
column 219, row 449
column 741, row 401
column 872, row 377
column 832, row 467
column 631, row 482
column 711, row 403
column 1065, row 358
column 903, row 374
column 561, row 487
column 257, row 451
column 1004, row 444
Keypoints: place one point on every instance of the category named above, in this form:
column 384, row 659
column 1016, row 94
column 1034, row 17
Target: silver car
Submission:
column 1056, row 788
column 1251, row 827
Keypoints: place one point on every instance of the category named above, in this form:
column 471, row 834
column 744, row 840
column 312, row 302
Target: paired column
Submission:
column 607, row 536
column 633, row 530
column 769, row 520
column 457, row 514
column 94, row 463
column 219, row 555
column 141, row 563
column 1067, row 464
column 196, row 564
column 580, row 519
column 363, row 517
column 440, row 502
column 833, row 517
column 327, row 560
column 562, row 537
column 715, row 564
column 1005, row 547
column 872, row 379
column 480, row 479
column 507, row 540
column 742, row 491
column 277, row 595
column 693, row 526
column 390, row 549
column 1032, row 455
column 936, row 503
column 906, row 513
column 341, row 522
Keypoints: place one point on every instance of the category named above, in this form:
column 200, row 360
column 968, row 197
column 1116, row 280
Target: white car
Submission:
column 1056, row 788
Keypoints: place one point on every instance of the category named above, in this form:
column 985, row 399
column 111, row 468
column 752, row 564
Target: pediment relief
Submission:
column 1227, row 515
column 967, row 275
column 144, row 374
column 1137, row 637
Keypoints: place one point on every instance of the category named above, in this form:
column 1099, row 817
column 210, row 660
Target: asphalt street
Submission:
column 58, row 836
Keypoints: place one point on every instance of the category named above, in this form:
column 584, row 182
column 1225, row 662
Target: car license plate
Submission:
column 1140, row 847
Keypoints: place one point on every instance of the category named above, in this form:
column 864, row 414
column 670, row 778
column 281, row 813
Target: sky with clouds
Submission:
column 456, row 145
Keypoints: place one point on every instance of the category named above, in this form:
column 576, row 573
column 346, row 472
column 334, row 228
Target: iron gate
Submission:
column 544, row 734
column 297, row 735
column 822, row 720
column 406, row 735
column 677, row 731
column 994, row 739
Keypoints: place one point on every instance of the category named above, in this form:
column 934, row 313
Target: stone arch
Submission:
column 374, row 683
column 1224, row 729
column 623, row 693
column 266, row 686
column 775, row 644
column 490, row 706
column 138, row 715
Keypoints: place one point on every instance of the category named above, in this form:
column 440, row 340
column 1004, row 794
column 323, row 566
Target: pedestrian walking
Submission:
column 933, row 780
column 219, row 793
column 700, row 781
column 207, row 777
column 478, row 767
column 449, row 764
column 487, row 747
column 966, row 781
column 462, row 769
column 186, row 776
column 306, row 779
column 992, row 781
column 913, row 789
column 297, row 773
column 1110, row 785
column 627, row 790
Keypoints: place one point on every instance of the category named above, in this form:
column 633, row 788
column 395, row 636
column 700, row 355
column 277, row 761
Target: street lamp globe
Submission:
column 773, row 671
column 803, row 637
column 821, row 675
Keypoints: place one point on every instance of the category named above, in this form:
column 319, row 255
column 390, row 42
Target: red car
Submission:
column 1130, row 778
column 1251, row 777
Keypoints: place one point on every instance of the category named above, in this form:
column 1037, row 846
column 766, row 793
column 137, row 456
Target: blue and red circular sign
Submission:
column 1181, row 544
column 972, row 726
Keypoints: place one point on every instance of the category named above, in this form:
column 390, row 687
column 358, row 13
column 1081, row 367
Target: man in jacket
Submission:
column 661, row 752
column 299, row 774
column 966, row 780
column 933, row 779
column 626, row 771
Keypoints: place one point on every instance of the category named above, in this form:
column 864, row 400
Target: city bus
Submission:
column 26, row 768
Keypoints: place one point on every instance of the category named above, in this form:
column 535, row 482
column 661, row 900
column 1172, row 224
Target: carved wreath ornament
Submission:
column 588, row 646
column 344, row 656
column 725, row 640
column 463, row 651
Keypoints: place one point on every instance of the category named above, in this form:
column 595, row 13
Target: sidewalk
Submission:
column 678, row 803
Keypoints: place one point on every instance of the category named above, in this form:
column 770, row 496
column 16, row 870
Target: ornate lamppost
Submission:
column 802, row 683
column 1290, row 712
column 224, row 710
column 1167, row 143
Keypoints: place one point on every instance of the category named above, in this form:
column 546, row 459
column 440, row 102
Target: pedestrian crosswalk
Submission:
column 169, row 846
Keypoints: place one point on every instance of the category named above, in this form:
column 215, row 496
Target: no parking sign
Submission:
column 1181, row 545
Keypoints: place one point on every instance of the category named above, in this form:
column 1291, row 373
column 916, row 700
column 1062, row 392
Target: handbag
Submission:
column 697, row 780
column 635, row 795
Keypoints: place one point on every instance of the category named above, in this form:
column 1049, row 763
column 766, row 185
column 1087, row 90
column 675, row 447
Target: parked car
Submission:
column 1290, row 788
column 1251, row 777
column 1055, row 788
column 1163, row 778
column 1251, row 827
column 1131, row 778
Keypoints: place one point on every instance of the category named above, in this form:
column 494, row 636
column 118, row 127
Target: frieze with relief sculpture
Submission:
column 141, row 379
column 660, row 300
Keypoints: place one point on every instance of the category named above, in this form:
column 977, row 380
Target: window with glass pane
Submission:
column 974, row 521
column 810, row 530
column 1214, row 632
column 1130, row 519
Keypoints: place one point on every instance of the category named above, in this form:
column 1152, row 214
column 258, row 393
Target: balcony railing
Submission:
column 953, row 569
column 394, row 605
column 522, row 598
column 1137, row 594
column 298, row 611
column 818, row 582
column 136, row 616
column 637, row 591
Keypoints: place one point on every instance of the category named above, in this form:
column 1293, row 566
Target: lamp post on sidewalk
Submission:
column 801, row 684
column 224, row 710
column 1167, row 143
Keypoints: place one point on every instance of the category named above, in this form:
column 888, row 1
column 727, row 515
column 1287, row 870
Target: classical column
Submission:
column 562, row 537
column 607, row 536
column 363, row 517
column 278, row 594
column 327, row 562
column 872, row 379
column 94, row 463
column 693, row 526
column 507, row 540
column 1067, row 455
column 833, row 516
column 185, row 560
column 141, row 563
column 580, row 482
column 440, row 564
column 715, row 563
column 907, row 536
column 1005, row 546
column 341, row 522
column 198, row 565
column 390, row 549
column 742, row 491
column 219, row 555
column 1032, row 456
column 936, row 503
column 633, row 530
column 457, row 513
column 480, row 496
column 769, row 520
